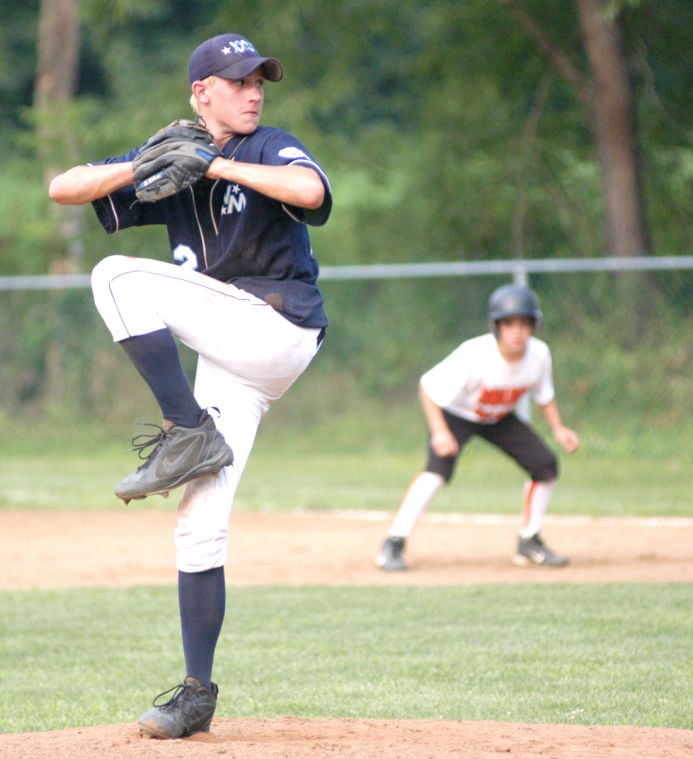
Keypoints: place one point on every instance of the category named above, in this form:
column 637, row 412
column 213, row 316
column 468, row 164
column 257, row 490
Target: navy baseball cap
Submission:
column 230, row 56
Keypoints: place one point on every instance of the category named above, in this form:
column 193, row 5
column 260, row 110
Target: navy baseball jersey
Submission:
column 235, row 234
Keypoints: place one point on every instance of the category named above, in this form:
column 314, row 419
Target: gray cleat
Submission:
column 533, row 551
column 390, row 557
column 180, row 454
column 189, row 710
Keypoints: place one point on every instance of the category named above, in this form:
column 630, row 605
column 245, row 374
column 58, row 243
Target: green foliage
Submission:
column 621, row 365
column 18, row 34
column 25, row 248
column 424, row 117
column 608, row 655
column 670, row 184
column 446, row 136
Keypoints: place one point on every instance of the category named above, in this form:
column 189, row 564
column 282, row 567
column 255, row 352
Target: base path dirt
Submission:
column 135, row 547
column 57, row 549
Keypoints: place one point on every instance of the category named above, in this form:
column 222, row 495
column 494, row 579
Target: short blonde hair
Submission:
column 193, row 100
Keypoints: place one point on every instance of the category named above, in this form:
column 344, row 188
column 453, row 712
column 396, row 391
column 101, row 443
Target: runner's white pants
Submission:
column 248, row 356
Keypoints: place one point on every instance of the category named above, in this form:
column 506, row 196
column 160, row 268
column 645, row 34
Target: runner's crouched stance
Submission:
column 474, row 391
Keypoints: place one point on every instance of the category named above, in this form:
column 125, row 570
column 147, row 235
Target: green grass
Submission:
column 592, row 654
column 283, row 478
column 358, row 458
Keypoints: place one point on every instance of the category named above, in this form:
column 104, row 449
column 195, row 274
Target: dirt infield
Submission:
column 134, row 547
column 296, row 738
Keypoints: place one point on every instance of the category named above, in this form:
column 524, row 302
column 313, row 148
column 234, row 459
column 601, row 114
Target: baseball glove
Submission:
column 174, row 158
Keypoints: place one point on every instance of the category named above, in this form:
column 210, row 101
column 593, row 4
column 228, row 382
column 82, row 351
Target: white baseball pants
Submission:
column 248, row 356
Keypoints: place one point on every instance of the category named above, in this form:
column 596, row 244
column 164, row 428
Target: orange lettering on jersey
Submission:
column 503, row 398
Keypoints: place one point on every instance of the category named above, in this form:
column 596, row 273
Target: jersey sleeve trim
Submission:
column 107, row 214
column 316, row 217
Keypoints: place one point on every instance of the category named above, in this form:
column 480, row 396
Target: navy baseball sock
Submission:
column 155, row 356
column 202, row 601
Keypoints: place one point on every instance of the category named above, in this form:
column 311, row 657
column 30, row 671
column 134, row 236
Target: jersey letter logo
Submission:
column 234, row 200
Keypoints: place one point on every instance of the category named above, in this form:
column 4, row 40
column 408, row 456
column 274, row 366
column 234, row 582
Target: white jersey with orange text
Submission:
column 476, row 383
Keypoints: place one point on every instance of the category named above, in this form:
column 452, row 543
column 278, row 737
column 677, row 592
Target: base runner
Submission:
column 475, row 391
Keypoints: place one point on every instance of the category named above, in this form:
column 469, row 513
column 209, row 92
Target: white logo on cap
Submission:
column 238, row 47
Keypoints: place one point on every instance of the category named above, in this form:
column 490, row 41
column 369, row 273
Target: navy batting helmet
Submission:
column 513, row 300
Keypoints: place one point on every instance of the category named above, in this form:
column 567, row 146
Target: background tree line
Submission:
column 484, row 129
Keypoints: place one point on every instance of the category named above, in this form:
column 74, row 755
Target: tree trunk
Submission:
column 54, row 87
column 58, row 47
column 607, row 99
column 613, row 124
column 612, row 117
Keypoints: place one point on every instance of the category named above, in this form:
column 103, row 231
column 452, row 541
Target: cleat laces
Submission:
column 141, row 443
column 176, row 690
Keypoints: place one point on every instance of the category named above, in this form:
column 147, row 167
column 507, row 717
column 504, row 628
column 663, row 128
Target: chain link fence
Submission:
column 619, row 330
